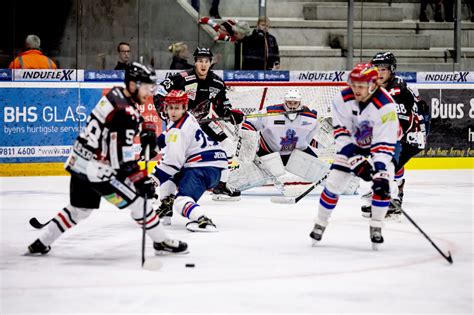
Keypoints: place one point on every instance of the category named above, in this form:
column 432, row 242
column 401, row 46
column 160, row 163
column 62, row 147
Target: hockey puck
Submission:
column 190, row 265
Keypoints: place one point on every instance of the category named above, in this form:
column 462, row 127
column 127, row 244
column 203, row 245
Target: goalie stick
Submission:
column 293, row 200
column 205, row 120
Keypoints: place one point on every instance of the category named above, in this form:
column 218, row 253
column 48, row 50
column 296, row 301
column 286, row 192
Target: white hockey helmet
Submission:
column 293, row 100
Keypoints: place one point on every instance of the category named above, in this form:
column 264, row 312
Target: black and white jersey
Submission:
column 108, row 136
column 201, row 93
column 411, row 122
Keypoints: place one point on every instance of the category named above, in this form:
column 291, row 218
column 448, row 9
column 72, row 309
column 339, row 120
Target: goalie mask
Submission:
column 292, row 103
column 293, row 100
column 173, row 99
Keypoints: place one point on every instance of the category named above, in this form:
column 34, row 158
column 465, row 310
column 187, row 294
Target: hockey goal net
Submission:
column 251, row 97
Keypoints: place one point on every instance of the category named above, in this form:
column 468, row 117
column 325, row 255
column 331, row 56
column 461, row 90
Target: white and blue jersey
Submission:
column 369, row 128
column 187, row 146
column 280, row 134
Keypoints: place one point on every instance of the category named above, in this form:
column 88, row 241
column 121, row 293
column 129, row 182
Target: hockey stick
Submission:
column 147, row 158
column 37, row 224
column 293, row 200
column 205, row 120
column 448, row 257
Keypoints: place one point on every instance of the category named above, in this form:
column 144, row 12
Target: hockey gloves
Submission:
column 361, row 167
column 144, row 185
column 381, row 185
column 148, row 138
column 237, row 116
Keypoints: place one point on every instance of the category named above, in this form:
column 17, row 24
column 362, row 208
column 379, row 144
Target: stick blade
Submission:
column 283, row 200
column 449, row 258
column 152, row 264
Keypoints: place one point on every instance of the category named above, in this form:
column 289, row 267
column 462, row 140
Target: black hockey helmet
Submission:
column 385, row 58
column 140, row 73
column 202, row 52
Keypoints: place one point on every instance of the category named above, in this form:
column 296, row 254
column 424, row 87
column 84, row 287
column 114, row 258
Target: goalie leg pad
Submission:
column 273, row 164
column 246, row 176
column 307, row 166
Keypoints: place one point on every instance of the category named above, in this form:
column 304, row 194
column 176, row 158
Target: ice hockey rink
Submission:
column 260, row 261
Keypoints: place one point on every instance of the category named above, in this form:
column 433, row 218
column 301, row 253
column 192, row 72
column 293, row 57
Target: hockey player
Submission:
column 365, row 127
column 192, row 160
column 283, row 145
column 102, row 164
column 413, row 114
column 207, row 97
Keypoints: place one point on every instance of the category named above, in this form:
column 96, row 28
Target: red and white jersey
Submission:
column 188, row 146
column 372, row 126
column 280, row 134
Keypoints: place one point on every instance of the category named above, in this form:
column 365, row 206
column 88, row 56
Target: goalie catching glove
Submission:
column 148, row 138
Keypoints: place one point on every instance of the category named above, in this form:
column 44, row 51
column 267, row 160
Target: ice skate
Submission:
column 394, row 212
column 366, row 207
column 38, row 248
column 376, row 237
column 203, row 224
column 317, row 233
column 165, row 210
column 169, row 247
column 223, row 192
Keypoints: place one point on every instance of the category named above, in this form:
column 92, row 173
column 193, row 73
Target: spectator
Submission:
column 230, row 30
column 438, row 16
column 124, row 51
column 32, row 57
column 260, row 51
column 180, row 56
column 213, row 12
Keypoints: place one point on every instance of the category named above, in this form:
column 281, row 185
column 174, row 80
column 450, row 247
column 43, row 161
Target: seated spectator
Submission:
column 230, row 30
column 32, row 57
column 180, row 56
column 260, row 51
column 124, row 52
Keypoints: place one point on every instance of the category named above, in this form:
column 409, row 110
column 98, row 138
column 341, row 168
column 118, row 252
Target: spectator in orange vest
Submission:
column 32, row 57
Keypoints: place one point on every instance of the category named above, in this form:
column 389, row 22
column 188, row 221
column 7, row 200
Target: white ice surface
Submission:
column 261, row 260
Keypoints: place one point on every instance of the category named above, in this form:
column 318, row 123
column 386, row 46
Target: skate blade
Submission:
column 394, row 217
column 225, row 198
column 366, row 215
column 195, row 228
column 168, row 253
column 315, row 243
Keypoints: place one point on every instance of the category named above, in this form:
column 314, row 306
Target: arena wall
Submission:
column 43, row 110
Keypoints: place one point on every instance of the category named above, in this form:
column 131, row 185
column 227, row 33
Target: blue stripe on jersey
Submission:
column 347, row 94
column 208, row 156
column 178, row 124
column 311, row 114
column 247, row 125
column 380, row 98
column 279, row 107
